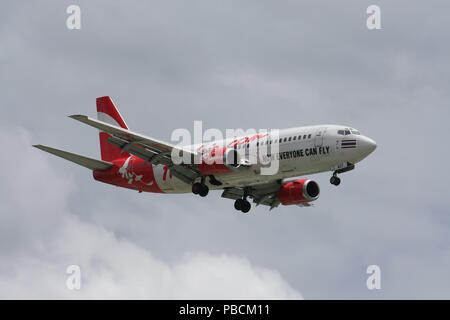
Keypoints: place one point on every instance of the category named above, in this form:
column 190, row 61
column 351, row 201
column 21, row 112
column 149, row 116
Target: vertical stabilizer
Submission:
column 107, row 112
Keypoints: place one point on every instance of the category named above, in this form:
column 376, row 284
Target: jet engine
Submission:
column 298, row 191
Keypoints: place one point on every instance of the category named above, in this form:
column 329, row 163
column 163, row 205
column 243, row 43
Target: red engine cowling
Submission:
column 219, row 161
column 298, row 191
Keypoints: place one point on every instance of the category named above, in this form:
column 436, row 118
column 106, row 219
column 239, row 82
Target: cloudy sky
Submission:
column 231, row 64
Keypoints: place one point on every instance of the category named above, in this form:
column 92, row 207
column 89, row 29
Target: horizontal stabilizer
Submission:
column 86, row 162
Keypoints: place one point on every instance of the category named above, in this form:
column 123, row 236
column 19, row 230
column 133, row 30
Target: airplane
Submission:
column 134, row 161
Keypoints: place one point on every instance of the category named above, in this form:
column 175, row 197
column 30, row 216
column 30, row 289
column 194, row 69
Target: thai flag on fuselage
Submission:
column 348, row 143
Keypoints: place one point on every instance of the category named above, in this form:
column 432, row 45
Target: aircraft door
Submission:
column 318, row 136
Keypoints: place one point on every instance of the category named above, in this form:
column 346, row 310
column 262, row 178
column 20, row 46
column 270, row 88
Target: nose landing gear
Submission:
column 335, row 180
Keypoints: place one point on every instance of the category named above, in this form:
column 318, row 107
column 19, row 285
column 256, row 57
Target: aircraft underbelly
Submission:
column 295, row 166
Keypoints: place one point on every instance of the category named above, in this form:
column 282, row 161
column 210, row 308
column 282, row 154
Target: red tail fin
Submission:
column 107, row 112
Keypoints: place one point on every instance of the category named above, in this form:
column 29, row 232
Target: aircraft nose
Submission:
column 367, row 145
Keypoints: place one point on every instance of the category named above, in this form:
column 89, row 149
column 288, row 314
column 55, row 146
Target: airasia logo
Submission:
column 213, row 147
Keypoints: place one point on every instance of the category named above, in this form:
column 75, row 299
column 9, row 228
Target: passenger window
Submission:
column 294, row 138
column 309, row 136
column 299, row 137
column 341, row 132
column 289, row 138
column 281, row 140
column 284, row 139
column 304, row 137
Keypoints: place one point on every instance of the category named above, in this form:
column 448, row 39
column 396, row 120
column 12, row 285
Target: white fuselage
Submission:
column 320, row 148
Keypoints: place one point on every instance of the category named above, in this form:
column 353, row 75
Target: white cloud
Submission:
column 40, row 237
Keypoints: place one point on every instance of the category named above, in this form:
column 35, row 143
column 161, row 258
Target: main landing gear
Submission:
column 243, row 204
column 200, row 188
column 335, row 180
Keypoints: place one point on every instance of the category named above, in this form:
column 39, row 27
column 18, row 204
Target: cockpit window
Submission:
column 348, row 131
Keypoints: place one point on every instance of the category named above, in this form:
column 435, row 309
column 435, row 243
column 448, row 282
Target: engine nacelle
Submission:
column 219, row 161
column 298, row 191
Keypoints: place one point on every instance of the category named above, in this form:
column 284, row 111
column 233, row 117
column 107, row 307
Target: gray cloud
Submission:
column 260, row 64
column 48, row 238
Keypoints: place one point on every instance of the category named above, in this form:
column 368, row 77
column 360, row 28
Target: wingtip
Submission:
column 77, row 116
column 40, row 147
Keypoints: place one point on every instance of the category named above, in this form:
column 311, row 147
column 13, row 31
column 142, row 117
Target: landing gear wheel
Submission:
column 203, row 191
column 238, row 204
column 335, row 180
column 242, row 205
column 246, row 206
column 196, row 187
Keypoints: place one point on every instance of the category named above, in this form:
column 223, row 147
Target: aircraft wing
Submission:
column 86, row 162
column 264, row 194
column 149, row 149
